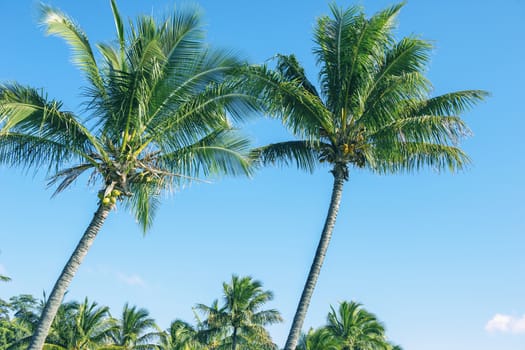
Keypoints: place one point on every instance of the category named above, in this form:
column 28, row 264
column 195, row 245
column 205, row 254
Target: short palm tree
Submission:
column 318, row 339
column 135, row 330
column 354, row 328
column 241, row 316
column 373, row 110
column 83, row 326
column 181, row 336
column 157, row 109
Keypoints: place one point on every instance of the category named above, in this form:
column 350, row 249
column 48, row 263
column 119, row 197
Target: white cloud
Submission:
column 131, row 280
column 3, row 270
column 506, row 324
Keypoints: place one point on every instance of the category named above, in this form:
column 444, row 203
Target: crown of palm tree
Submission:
column 157, row 111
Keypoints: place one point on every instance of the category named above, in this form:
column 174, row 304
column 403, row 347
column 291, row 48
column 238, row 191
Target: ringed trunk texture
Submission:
column 315, row 269
column 57, row 294
column 234, row 339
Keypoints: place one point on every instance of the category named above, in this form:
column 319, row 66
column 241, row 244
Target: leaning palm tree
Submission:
column 241, row 316
column 157, row 106
column 354, row 328
column 372, row 110
column 135, row 330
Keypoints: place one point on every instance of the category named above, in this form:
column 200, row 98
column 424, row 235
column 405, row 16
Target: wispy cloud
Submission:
column 3, row 270
column 131, row 280
column 506, row 324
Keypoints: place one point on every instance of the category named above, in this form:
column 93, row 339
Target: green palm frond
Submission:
column 300, row 111
column 221, row 152
column 303, row 153
column 28, row 111
column 57, row 23
column 144, row 201
column 119, row 26
column 413, row 156
column 290, row 68
column 453, row 103
column 427, row 128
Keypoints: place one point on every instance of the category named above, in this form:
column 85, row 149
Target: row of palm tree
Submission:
column 236, row 323
column 161, row 106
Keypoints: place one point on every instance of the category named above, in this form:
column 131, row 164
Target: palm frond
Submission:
column 290, row 68
column 144, row 202
column 412, row 156
column 220, row 152
column 303, row 153
column 28, row 111
column 67, row 176
column 119, row 26
column 59, row 24
column 453, row 103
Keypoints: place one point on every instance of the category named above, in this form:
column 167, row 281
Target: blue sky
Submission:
column 438, row 257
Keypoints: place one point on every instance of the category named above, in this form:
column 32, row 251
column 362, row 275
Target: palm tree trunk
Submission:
column 315, row 269
column 234, row 338
column 61, row 285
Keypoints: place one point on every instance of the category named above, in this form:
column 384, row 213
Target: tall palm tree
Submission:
column 373, row 110
column 157, row 108
column 135, row 330
column 354, row 328
column 241, row 315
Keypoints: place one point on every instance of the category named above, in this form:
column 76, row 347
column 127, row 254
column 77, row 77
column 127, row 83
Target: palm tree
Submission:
column 135, row 330
column 157, row 110
column 81, row 326
column 319, row 339
column 241, row 316
column 354, row 328
column 181, row 336
column 373, row 111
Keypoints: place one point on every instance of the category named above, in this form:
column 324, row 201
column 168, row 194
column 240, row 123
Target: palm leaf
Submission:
column 59, row 24
column 303, row 153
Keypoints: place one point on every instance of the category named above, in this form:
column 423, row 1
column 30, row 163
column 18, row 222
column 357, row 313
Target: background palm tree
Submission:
column 240, row 317
column 318, row 339
column 80, row 326
column 181, row 336
column 373, row 110
column 354, row 328
column 155, row 116
column 135, row 330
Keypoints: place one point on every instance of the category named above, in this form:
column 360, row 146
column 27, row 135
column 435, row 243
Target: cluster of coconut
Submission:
column 111, row 198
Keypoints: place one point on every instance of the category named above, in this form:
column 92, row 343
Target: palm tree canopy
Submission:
column 355, row 328
column 319, row 339
column 157, row 110
column 80, row 326
column 373, row 108
column 240, row 319
column 135, row 330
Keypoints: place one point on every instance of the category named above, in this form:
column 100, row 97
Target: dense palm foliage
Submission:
column 157, row 108
column 135, row 330
column 240, row 320
column 373, row 110
column 351, row 327
column 87, row 326
column 355, row 328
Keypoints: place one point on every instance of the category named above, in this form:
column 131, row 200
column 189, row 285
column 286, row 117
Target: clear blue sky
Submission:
column 435, row 256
